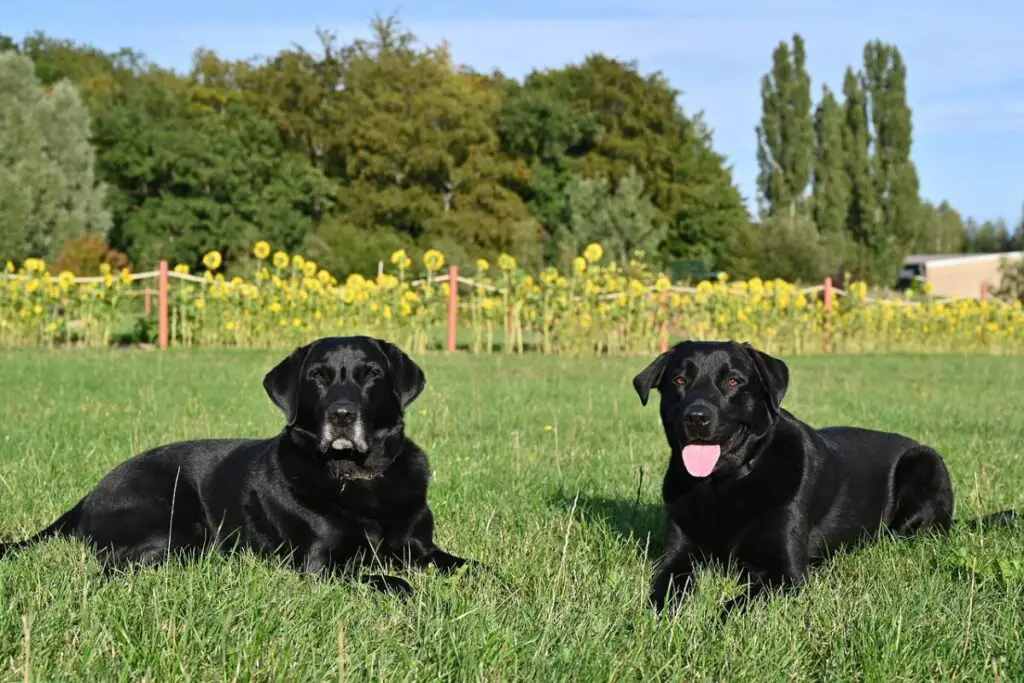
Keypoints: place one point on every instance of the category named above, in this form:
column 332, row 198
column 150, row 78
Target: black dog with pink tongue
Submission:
column 749, row 483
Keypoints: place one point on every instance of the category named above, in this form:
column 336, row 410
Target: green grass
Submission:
column 573, row 603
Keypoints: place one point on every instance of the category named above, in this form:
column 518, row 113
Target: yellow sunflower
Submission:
column 212, row 260
column 261, row 249
column 433, row 260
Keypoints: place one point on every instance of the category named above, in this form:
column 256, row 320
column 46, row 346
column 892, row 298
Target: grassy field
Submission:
column 537, row 465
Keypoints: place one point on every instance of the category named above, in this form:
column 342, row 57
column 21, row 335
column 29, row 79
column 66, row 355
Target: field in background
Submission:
column 537, row 465
column 597, row 307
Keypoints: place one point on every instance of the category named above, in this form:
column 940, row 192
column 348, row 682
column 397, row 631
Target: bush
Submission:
column 83, row 255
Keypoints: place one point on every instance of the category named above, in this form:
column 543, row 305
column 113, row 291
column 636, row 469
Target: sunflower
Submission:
column 579, row 264
column 181, row 268
column 66, row 279
column 261, row 249
column 433, row 260
column 281, row 260
column 593, row 252
column 482, row 265
column 212, row 260
column 309, row 268
column 507, row 262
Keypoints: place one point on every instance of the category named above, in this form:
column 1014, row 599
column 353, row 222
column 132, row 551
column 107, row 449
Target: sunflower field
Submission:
column 595, row 308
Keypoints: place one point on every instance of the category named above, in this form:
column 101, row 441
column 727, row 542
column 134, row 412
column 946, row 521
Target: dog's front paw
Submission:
column 389, row 585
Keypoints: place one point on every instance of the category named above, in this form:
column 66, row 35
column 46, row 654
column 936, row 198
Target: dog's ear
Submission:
column 283, row 382
column 773, row 373
column 650, row 377
column 407, row 377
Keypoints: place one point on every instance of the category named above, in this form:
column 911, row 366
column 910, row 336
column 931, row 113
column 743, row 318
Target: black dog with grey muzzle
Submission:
column 339, row 486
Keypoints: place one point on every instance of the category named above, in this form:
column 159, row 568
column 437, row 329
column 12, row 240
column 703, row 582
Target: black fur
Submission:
column 782, row 494
column 339, row 486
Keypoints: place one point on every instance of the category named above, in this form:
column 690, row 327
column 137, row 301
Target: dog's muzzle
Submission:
column 345, row 429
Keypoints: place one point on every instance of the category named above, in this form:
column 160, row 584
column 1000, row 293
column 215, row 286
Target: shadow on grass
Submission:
column 635, row 522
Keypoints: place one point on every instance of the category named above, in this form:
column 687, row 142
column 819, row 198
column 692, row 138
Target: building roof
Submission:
column 938, row 260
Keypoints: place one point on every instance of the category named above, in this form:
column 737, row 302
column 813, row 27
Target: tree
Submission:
column 862, row 217
column 785, row 137
column 415, row 148
column 990, row 237
column 792, row 249
column 48, row 189
column 601, row 118
column 1017, row 241
column 943, row 230
column 897, row 189
column 548, row 131
column 831, row 199
column 623, row 220
column 188, row 177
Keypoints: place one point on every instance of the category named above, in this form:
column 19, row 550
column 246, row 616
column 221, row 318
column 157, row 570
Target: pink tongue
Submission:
column 700, row 460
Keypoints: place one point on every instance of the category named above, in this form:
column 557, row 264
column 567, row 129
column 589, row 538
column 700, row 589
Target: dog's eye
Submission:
column 679, row 381
column 317, row 375
column 732, row 382
column 372, row 372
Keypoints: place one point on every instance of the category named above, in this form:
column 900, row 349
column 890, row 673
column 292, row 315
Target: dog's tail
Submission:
column 995, row 519
column 60, row 527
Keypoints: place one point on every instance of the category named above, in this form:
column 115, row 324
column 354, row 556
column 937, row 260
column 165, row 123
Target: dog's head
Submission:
column 714, row 397
column 347, row 395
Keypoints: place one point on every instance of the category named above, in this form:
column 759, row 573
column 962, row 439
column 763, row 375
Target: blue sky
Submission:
column 966, row 66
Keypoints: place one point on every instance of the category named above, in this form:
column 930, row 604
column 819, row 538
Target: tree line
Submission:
column 352, row 151
column 838, row 191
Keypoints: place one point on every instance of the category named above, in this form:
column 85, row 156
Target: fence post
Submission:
column 147, row 305
column 984, row 290
column 453, row 305
column 162, row 304
column 828, row 295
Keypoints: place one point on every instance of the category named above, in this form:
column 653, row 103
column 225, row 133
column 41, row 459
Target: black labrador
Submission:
column 341, row 485
column 749, row 483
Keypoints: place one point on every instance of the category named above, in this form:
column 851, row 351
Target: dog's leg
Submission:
column 775, row 558
column 675, row 571
column 422, row 552
column 923, row 494
column 446, row 563
column 389, row 585
column 321, row 560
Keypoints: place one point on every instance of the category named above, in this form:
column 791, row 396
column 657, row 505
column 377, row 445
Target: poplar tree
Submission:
column 785, row 136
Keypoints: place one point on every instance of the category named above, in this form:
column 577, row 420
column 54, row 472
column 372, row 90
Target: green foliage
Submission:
column 623, row 220
column 187, row 178
column 354, row 149
column 792, row 249
column 897, row 221
column 1011, row 279
column 48, row 190
column 990, row 237
column 785, row 137
column 831, row 199
column 943, row 230
column 601, row 118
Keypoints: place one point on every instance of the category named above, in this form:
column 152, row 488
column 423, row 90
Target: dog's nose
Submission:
column 342, row 413
column 697, row 417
